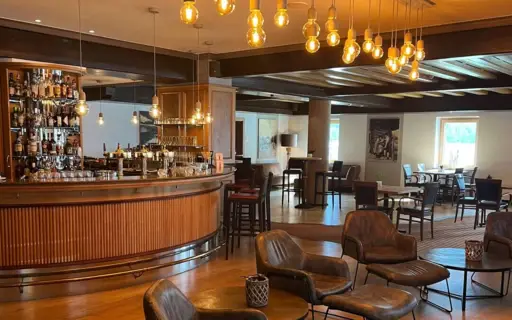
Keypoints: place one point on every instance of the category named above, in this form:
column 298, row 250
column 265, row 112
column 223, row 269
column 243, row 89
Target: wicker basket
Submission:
column 256, row 291
column 474, row 250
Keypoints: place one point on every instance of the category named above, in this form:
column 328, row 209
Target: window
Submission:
column 334, row 139
column 457, row 142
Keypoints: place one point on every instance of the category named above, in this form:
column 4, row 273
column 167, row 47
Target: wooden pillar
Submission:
column 318, row 141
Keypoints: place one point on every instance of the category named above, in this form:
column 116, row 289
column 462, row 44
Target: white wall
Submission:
column 117, row 127
column 352, row 148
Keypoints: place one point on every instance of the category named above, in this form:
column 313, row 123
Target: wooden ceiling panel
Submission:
column 416, row 95
column 403, row 74
column 432, row 94
column 318, row 76
column 350, row 77
column 463, row 68
column 501, row 90
column 299, row 79
column 454, row 93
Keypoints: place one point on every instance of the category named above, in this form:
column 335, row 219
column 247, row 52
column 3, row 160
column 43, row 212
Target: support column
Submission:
column 318, row 141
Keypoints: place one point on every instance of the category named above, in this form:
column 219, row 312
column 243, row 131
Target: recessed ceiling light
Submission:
column 38, row 20
column 91, row 31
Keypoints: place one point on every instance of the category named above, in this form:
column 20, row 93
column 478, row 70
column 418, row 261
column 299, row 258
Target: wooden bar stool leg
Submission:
column 233, row 225
column 261, row 215
column 239, row 217
column 227, row 205
column 316, row 190
column 282, row 192
column 339, row 192
column 289, row 189
column 252, row 218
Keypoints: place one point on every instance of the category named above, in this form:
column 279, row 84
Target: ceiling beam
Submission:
column 436, row 72
column 501, row 90
column 483, row 41
column 454, row 93
column 501, row 80
column 278, row 87
column 350, row 77
column 461, row 67
column 320, row 77
column 477, row 92
column 432, row 94
column 412, row 95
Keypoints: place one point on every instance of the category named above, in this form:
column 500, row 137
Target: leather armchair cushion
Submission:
column 415, row 273
column 329, row 285
column 374, row 302
column 387, row 254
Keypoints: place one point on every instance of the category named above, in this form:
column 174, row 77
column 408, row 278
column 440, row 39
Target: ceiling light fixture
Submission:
column 311, row 30
column 331, row 26
column 368, row 44
column 392, row 63
column 101, row 120
column 255, row 35
column 225, row 7
column 189, row 12
column 92, row 31
column 81, row 108
column 414, row 74
column 408, row 49
column 378, row 52
column 351, row 49
column 281, row 18
column 134, row 119
column 420, row 46
column 198, row 115
column 155, row 110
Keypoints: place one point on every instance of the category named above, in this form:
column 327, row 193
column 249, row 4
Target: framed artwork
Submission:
column 267, row 139
column 383, row 139
column 148, row 131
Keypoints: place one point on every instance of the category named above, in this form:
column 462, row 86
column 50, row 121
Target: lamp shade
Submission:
column 289, row 140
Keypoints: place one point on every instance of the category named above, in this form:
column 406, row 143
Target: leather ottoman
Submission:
column 416, row 273
column 374, row 302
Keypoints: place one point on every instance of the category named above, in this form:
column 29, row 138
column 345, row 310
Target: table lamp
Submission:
column 289, row 141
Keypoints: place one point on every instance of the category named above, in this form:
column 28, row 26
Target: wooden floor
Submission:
column 126, row 303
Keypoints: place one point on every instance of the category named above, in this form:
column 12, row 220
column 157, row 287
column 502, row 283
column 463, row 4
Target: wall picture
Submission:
column 267, row 139
column 148, row 131
column 383, row 139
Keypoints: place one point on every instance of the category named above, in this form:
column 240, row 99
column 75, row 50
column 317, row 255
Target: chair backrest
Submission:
column 499, row 224
column 430, row 191
column 461, row 182
column 164, row 301
column 246, row 160
column 473, row 175
column 337, row 166
column 295, row 164
column 276, row 248
column 421, row 167
column 264, row 187
column 488, row 190
column 371, row 227
column 407, row 171
column 459, row 170
column 366, row 193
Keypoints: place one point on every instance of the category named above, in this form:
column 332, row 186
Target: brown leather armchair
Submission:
column 289, row 268
column 498, row 233
column 370, row 237
column 164, row 301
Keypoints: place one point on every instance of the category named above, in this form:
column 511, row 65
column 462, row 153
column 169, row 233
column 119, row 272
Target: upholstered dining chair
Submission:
column 164, row 301
column 366, row 196
column 288, row 267
column 370, row 237
column 489, row 197
column 462, row 199
column 498, row 234
column 410, row 179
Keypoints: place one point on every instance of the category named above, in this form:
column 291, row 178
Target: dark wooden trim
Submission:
column 278, row 86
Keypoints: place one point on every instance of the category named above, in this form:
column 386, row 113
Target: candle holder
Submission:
column 474, row 250
column 256, row 290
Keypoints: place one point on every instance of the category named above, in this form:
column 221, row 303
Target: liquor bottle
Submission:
column 70, row 88
column 20, row 170
column 52, row 145
column 33, row 165
column 26, row 85
column 18, row 86
column 56, row 85
column 41, row 90
column 32, row 147
column 12, row 84
column 18, row 145
column 68, row 147
column 75, row 89
column 34, row 87
column 63, row 87
column 50, row 116
column 65, row 116
column 21, row 115
column 14, row 117
column 72, row 119
column 49, row 85
column 44, row 145
column 59, row 117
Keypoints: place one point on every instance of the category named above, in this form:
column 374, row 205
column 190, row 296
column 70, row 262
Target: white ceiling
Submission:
column 128, row 20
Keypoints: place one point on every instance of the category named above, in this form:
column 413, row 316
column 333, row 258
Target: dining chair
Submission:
column 334, row 178
column 424, row 177
column 423, row 209
column 470, row 179
column 366, row 196
column 462, row 199
column 410, row 179
column 295, row 168
column 489, row 197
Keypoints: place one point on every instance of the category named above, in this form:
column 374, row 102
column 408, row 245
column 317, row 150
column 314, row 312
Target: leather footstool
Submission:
column 416, row 273
column 373, row 302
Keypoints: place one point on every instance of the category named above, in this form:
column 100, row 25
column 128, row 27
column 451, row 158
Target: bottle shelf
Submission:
column 77, row 129
column 184, row 146
column 64, row 100
column 40, row 155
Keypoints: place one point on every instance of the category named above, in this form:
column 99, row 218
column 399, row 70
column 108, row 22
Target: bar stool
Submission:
column 335, row 176
column 255, row 200
column 295, row 167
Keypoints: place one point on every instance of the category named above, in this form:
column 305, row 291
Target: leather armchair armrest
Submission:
column 329, row 266
column 293, row 274
column 351, row 244
column 497, row 244
column 234, row 314
column 407, row 244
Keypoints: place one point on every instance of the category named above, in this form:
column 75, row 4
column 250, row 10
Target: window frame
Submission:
column 442, row 123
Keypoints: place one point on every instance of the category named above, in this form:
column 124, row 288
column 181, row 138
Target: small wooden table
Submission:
column 455, row 259
column 395, row 191
column 308, row 188
column 281, row 304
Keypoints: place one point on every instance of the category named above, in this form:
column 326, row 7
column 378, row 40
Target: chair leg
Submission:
column 421, row 229
column 410, row 224
column 227, row 224
column 366, row 279
column 355, row 276
column 339, row 193
column 476, row 217
column 462, row 212
column 234, row 224
column 282, row 191
column 316, row 190
column 456, row 212
column 289, row 189
column 323, row 192
column 239, row 217
column 432, row 227
column 326, row 313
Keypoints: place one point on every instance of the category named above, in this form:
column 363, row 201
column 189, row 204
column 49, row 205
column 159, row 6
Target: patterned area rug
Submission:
column 446, row 233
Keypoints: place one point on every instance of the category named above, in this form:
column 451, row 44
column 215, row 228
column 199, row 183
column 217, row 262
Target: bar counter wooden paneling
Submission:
column 71, row 223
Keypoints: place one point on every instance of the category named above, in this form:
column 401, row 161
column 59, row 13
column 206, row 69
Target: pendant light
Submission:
column 134, row 119
column 331, row 26
column 351, row 49
column 255, row 35
column 81, row 108
column 368, row 44
column 311, row 30
column 281, row 18
column 403, row 59
column 101, row 120
column 155, row 110
column 198, row 115
column 393, row 53
column 378, row 52
column 420, row 46
column 189, row 12
column 414, row 74
column 225, row 7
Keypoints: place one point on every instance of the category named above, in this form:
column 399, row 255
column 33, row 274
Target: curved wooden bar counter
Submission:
column 89, row 222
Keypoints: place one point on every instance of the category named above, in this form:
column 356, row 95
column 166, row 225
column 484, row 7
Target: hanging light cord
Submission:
column 154, row 52
column 80, row 33
column 393, row 26
column 369, row 12
column 417, row 22
column 378, row 28
column 101, row 105
column 134, row 96
column 421, row 28
column 405, row 17
column 197, row 65
column 396, row 33
column 352, row 14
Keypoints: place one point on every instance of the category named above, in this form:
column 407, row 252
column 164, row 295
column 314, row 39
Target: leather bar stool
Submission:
column 335, row 176
column 295, row 168
column 255, row 201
